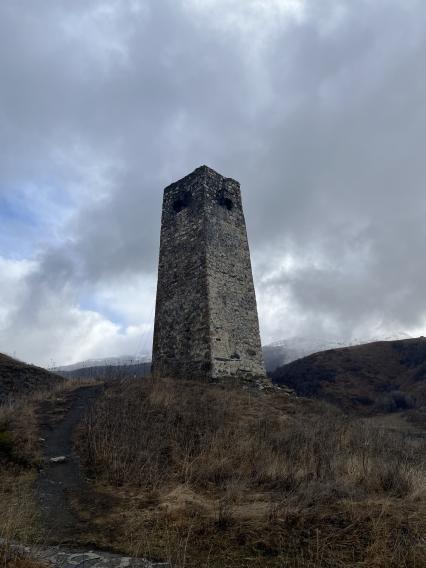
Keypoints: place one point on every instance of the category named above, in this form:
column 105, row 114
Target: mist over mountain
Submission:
column 288, row 350
column 118, row 361
column 275, row 354
column 382, row 376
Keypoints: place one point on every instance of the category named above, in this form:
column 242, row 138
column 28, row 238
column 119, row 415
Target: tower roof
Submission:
column 201, row 172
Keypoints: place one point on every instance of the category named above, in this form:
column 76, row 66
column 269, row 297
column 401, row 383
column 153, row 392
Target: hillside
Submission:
column 18, row 378
column 288, row 350
column 106, row 372
column 194, row 474
column 212, row 475
column 385, row 375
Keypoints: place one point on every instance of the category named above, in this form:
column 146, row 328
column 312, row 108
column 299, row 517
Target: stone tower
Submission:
column 206, row 323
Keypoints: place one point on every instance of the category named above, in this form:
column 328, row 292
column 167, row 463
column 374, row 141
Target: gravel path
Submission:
column 58, row 482
column 61, row 480
column 59, row 557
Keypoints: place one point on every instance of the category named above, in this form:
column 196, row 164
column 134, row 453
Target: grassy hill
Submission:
column 214, row 475
column 376, row 377
column 17, row 378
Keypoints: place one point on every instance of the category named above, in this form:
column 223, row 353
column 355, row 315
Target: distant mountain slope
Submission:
column 275, row 354
column 362, row 377
column 19, row 378
column 121, row 360
column 105, row 372
column 287, row 350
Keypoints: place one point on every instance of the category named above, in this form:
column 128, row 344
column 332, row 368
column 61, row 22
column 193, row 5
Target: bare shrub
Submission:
column 154, row 432
column 319, row 477
column 395, row 401
column 20, row 459
column 15, row 557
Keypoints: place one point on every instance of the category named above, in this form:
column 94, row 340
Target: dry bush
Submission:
column 151, row 433
column 11, row 557
column 262, row 476
column 18, row 511
column 19, row 436
column 20, row 458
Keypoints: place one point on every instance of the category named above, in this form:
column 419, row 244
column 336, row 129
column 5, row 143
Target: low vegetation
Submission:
column 369, row 379
column 205, row 475
column 22, row 388
column 19, row 379
column 20, row 461
column 12, row 558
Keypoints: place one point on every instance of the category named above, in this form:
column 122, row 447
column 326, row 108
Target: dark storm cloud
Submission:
column 319, row 114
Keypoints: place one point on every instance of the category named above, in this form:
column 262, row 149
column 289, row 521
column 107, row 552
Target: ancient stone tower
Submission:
column 206, row 323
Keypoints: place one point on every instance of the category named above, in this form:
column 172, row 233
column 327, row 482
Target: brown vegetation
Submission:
column 380, row 377
column 20, row 459
column 215, row 476
column 18, row 379
column 12, row 558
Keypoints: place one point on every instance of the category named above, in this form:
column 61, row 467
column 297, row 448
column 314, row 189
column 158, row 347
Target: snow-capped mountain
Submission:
column 107, row 362
column 275, row 354
column 288, row 350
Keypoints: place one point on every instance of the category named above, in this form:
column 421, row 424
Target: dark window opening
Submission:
column 182, row 201
column 226, row 202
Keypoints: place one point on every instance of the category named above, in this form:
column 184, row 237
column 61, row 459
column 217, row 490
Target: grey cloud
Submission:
column 322, row 120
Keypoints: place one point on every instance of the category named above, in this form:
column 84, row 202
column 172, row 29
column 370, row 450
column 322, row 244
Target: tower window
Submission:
column 182, row 201
column 226, row 202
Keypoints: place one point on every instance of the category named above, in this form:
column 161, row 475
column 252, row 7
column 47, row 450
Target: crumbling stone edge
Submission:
column 61, row 557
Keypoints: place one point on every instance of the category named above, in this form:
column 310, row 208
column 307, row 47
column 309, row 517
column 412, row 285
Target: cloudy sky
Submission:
column 318, row 108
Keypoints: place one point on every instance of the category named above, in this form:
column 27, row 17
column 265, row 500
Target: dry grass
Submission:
column 19, row 435
column 214, row 476
column 20, row 459
column 11, row 558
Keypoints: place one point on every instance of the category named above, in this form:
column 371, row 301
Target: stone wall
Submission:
column 206, row 323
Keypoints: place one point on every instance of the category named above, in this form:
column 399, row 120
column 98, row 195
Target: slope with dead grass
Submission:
column 18, row 378
column 206, row 475
column 20, row 461
column 378, row 377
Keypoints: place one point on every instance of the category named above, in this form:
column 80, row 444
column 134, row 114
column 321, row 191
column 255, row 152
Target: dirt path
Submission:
column 59, row 483
column 71, row 531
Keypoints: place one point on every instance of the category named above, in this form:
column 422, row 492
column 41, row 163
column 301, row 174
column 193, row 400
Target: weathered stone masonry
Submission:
column 206, row 323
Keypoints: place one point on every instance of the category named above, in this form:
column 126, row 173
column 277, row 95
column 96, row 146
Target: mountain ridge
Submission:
column 17, row 378
column 362, row 378
column 285, row 351
column 276, row 354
